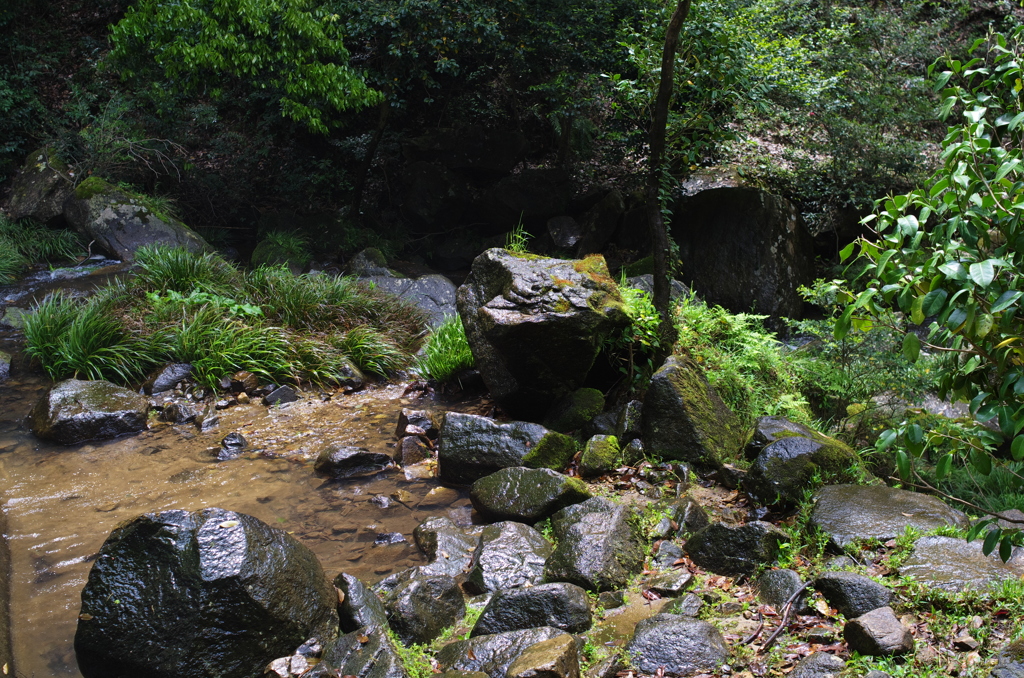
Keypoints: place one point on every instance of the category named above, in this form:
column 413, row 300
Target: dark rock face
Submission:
column 819, row 665
column 166, row 378
column 347, row 462
column 751, row 252
column 878, row 633
column 573, row 410
column 690, row 516
column 775, row 587
column 682, row 647
column 851, row 593
column 558, row 605
column 40, row 188
column 449, row 549
column 120, row 224
column 630, row 423
column 525, row 495
column 210, row 593
column 411, row 450
column 553, row 658
column 74, row 411
column 685, row 420
column 508, row 556
column 598, row 549
column 419, row 609
column 366, row 652
column 360, row 607
column 281, row 395
column 1010, row 661
column 434, row 294
column 178, row 413
column 471, row 447
column 535, row 325
column 733, row 551
column 492, row 654
column 954, row 564
column 5, row 365
column 565, row 232
column 850, row 512
column 783, row 469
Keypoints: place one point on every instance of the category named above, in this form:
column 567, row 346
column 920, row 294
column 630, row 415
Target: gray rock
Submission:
column 670, row 584
column 687, row 606
column 600, row 455
column 178, row 413
column 410, row 450
column 366, row 652
column 418, row 418
column 878, row 634
column 553, row 658
column 1010, row 661
column 471, row 447
column 685, row 420
column 851, row 593
column 14, row 318
column 558, row 605
column 219, row 593
column 525, row 495
column 565, row 232
column 347, row 462
column 536, row 325
column 509, row 555
column 680, row 647
column 280, row 396
column 232, row 446
column 360, row 606
column 645, row 282
column 419, row 609
column 492, row 654
column 818, row 665
column 434, row 294
column 734, row 551
column 782, row 471
column 166, row 378
column 955, row 564
column 690, row 516
column 875, row 673
column 851, row 512
column 775, row 587
column 768, row 430
column 369, row 263
column 629, row 426
column 610, row 600
column 668, row 553
column 598, row 548
column 74, row 411
column 5, row 365
column 449, row 548
column 39, row 190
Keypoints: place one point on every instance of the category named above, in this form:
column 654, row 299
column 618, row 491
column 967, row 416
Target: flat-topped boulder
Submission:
column 471, row 447
column 678, row 647
column 851, row 512
column 74, row 411
column 955, row 564
column 526, row 495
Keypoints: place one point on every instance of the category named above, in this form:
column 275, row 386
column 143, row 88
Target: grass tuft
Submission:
column 447, row 351
column 175, row 268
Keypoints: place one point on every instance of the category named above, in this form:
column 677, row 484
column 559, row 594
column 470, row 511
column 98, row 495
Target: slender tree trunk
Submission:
column 659, row 232
column 367, row 164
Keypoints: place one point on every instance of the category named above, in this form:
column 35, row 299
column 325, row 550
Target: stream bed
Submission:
column 62, row 502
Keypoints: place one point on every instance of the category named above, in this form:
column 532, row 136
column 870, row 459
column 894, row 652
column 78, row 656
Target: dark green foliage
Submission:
column 372, row 350
column 168, row 268
column 279, row 247
column 446, row 352
column 24, row 242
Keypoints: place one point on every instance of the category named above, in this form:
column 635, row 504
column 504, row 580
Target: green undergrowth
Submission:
column 24, row 242
column 200, row 309
column 446, row 352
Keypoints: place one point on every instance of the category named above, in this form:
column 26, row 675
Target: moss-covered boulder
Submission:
column 120, row 222
column 526, row 495
column 573, row 410
column 600, row 455
column 74, row 411
column 535, row 325
column 41, row 187
column 684, row 419
column 554, row 451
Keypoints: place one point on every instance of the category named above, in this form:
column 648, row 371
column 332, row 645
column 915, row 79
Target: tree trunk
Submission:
column 659, row 232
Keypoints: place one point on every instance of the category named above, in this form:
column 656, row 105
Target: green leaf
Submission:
column 1017, row 448
column 885, row 440
column 934, row 302
column 916, row 310
column 942, row 468
column 953, row 270
column 1005, row 300
column 845, row 253
column 843, row 324
column 982, row 273
column 903, row 464
column 981, row 462
column 911, row 347
column 991, row 539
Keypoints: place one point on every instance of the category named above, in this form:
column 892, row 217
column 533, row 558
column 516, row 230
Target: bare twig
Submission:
column 787, row 610
column 757, row 632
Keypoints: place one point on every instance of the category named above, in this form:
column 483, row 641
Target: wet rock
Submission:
column 670, row 584
column 878, row 634
column 554, row 451
column 411, row 450
column 1010, row 660
column 783, row 470
column 360, row 606
column 573, row 410
column 178, row 413
column 565, row 232
column 679, row 647
column 818, row 665
column 536, row 324
column 389, row 538
column 221, row 593
column 368, row 263
column 208, row 419
column 5, row 365
column 629, row 426
column 419, row 609
column 13, row 318
column 598, row 548
column 609, row 600
column 280, row 396
column 508, row 556
column 525, row 495
column 687, row 606
column 433, row 294
column 347, row 462
column 225, row 404
column 471, row 447
column 232, row 446
column 768, row 430
column 554, row 658
column 602, row 424
column 74, row 411
column 668, row 553
column 120, row 223
column 775, row 587
column 851, row 593
column 685, row 420
column 633, row 452
column 955, row 564
column 243, row 382
column 39, row 189
column 734, row 551
column 366, row 652
column 600, row 455
column 558, row 605
column 449, row 549
column 690, row 516
column 166, row 378
column 851, row 512
column 419, row 418
column 492, row 654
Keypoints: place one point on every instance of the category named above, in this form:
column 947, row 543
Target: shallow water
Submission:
column 62, row 502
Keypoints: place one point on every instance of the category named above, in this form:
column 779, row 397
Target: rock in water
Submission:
column 74, row 411
column 471, row 446
column 206, row 594
column 535, row 325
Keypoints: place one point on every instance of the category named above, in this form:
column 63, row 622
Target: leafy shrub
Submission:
column 633, row 348
column 446, row 352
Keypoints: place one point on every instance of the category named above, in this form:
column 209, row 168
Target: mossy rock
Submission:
column 526, row 495
column 39, row 190
column 575, row 409
column 554, row 451
column 600, row 455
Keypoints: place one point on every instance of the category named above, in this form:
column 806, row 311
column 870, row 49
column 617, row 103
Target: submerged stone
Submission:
column 347, row 462
column 74, row 411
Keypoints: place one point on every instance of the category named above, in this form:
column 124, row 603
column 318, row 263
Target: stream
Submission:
column 62, row 502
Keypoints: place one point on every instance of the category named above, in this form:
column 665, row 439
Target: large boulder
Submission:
column 535, row 325
column 74, row 411
column 1010, row 660
column 744, row 249
column 509, row 555
column 492, row 654
column 847, row 513
column 734, row 551
column 560, row 605
column 471, row 447
column 366, row 652
column 955, row 564
column 526, row 495
column 557, row 657
column 852, row 594
column 420, row 608
column 120, row 223
column 677, row 647
column 209, row 593
column 434, row 294
column 685, row 420
column 598, row 547
column 40, row 188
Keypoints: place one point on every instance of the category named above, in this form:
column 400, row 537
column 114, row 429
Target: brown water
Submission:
column 62, row 502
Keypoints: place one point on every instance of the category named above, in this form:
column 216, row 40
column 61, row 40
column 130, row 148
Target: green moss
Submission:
column 575, row 409
column 554, row 451
column 639, row 267
column 93, row 186
column 561, row 306
column 594, row 267
column 600, row 455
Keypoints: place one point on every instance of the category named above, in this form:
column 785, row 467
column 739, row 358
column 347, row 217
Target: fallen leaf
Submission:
column 229, row 523
column 85, row 616
column 363, row 639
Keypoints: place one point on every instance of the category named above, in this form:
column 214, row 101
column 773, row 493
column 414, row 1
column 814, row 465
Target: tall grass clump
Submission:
column 446, row 352
column 26, row 241
column 279, row 247
column 372, row 350
column 175, row 268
